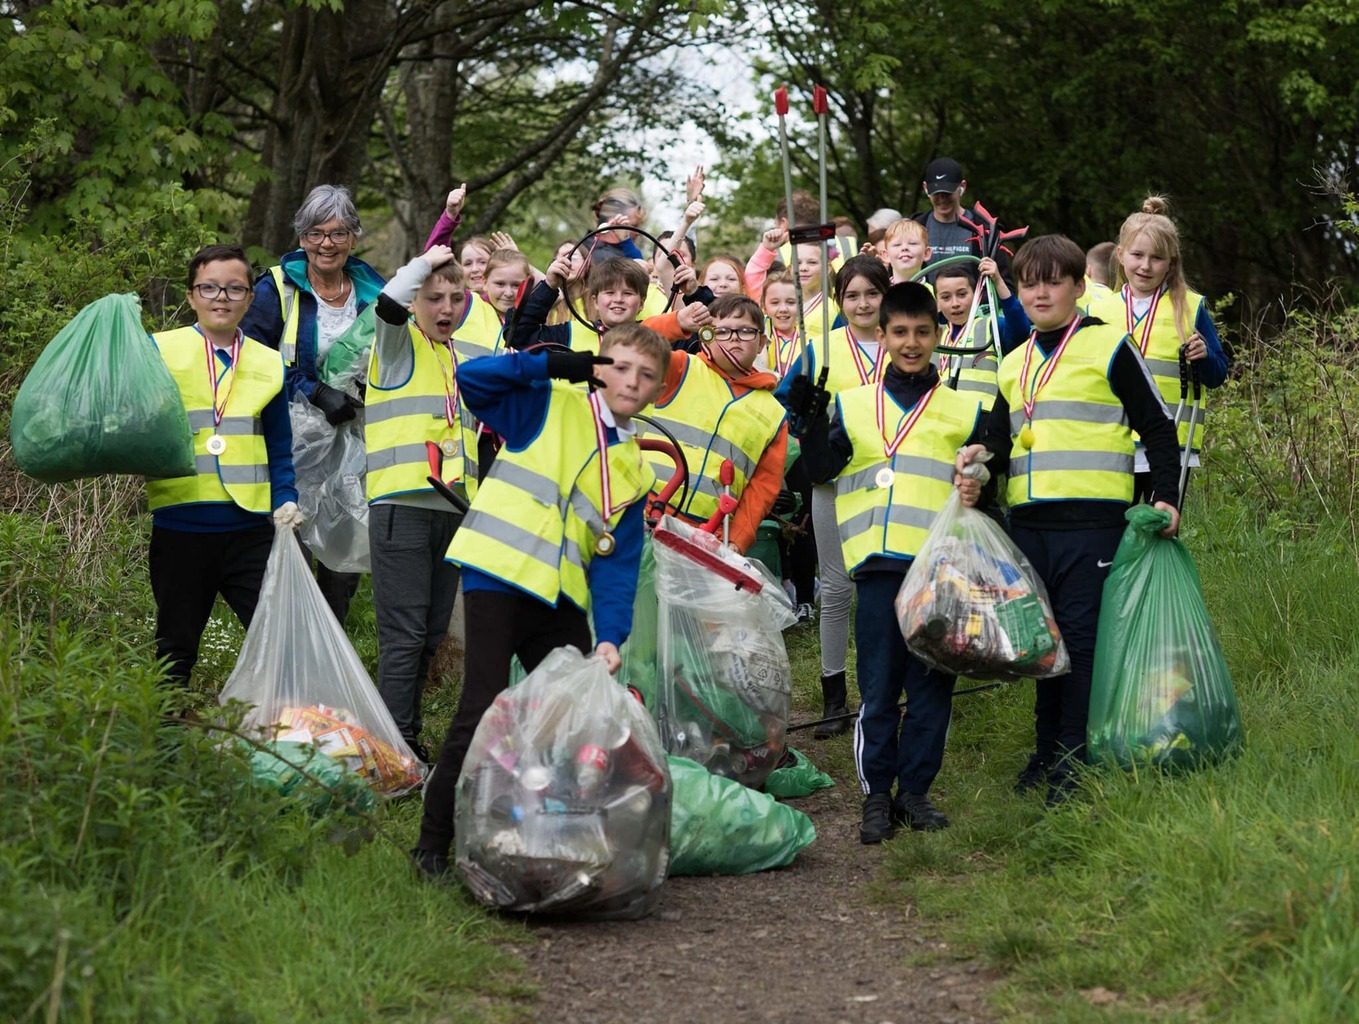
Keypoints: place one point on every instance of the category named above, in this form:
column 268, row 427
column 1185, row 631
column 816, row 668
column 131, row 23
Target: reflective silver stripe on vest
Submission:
column 205, row 465
column 1042, row 462
column 916, row 465
column 586, row 510
column 470, row 349
column 542, row 488
column 516, row 537
column 1164, row 367
column 397, row 455
column 1078, row 412
column 243, row 474
column 985, row 387
column 415, row 405
column 1184, row 417
column 876, row 518
column 201, row 419
column 719, row 446
column 288, row 349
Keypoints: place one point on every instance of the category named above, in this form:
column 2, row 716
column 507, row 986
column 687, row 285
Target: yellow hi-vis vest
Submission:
column 536, row 516
column 850, row 366
column 1082, row 443
column 713, row 424
column 893, row 521
column 399, row 421
column 978, row 374
column 479, row 333
column 1163, row 351
column 292, row 315
column 241, row 473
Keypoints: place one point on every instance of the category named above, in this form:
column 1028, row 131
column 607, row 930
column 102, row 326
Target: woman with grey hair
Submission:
column 302, row 305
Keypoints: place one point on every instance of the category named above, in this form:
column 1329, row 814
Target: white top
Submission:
column 332, row 321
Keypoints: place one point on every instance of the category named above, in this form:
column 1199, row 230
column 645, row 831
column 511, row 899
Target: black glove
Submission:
column 576, row 367
column 338, row 407
column 786, row 502
column 806, row 403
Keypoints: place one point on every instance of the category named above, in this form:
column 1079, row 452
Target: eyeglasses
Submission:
column 339, row 236
column 727, row 333
column 234, row 292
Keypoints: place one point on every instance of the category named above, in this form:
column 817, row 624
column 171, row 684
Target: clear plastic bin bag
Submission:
column 305, row 684
column 99, row 399
column 724, row 684
column 972, row 604
column 331, row 463
column 1161, row 693
column 563, row 804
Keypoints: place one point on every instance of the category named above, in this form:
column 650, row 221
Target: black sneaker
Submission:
column 1035, row 774
column 878, row 823
column 420, row 751
column 919, row 813
column 1062, row 785
column 433, row 867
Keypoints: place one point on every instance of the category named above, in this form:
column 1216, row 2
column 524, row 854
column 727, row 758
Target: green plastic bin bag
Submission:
column 720, row 827
column 799, row 778
column 101, row 400
column 345, row 365
column 1161, row 693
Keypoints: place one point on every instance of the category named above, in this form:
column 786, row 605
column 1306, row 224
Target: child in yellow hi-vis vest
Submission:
column 890, row 452
column 1062, row 426
column 210, row 532
column 415, row 426
column 554, row 533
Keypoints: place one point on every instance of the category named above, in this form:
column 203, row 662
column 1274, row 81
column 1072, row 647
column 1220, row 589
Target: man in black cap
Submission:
column 944, row 184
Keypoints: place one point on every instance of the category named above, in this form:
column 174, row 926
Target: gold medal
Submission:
column 1026, row 436
column 216, row 444
column 449, row 447
column 885, row 477
column 604, row 544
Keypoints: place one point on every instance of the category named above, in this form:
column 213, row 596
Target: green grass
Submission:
column 1225, row 894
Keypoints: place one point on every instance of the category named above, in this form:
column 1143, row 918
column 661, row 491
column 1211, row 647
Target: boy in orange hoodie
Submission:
column 722, row 409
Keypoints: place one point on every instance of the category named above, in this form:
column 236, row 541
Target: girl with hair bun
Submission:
column 1152, row 300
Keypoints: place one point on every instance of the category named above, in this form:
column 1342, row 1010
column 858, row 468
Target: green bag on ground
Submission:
column 100, row 400
column 1161, row 692
column 801, row 778
column 318, row 780
column 720, row 827
column 345, row 364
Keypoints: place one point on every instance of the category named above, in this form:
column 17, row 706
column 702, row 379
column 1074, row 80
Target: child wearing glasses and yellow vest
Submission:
column 416, row 426
column 554, row 533
column 211, row 532
column 721, row 409
column 889, row 451
column 1070, row 399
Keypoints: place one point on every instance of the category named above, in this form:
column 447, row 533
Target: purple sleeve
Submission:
column 443, row 231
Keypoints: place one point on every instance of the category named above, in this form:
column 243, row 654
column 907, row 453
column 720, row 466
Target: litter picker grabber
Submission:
column 1189, row 373
column 670, row 255
column 991, row 242
column 976, row 339
column 436, row 479
column 806, row 234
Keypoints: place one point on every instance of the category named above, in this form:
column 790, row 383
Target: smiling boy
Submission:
column 890, row 451
column 722, row 409
column 554, row 533
column 415, row 426
column 210, row 532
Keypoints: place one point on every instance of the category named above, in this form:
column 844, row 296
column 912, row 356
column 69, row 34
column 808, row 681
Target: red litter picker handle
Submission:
column 820, row 100
column 781, row 101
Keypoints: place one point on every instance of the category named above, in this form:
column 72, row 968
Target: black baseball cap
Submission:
column 943, row 175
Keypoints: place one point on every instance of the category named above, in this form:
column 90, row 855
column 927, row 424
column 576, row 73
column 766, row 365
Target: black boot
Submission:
column 833, row 698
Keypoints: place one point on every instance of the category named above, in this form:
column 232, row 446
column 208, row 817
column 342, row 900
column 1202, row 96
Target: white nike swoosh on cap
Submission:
column 941, row 177
column 1103, row 565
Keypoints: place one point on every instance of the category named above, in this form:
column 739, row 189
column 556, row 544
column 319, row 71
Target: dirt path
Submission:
column 802, row 944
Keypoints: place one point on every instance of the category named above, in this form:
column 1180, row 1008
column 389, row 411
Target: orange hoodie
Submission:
column 763, row 486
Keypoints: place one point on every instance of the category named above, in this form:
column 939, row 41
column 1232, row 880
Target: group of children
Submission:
column 529, row 415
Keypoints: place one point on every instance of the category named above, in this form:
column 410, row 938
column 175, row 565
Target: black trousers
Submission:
column 499, row 626
column 1073, row 565
column 338, row 588
column 188, row 571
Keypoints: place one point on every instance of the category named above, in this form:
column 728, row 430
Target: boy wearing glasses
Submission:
column 211, row 532
column 720, row 408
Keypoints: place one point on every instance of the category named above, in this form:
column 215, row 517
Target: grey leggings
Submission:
column 837, row 589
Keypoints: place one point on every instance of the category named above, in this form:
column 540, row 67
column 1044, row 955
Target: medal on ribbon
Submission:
column 886, row 476
column 217, row 444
